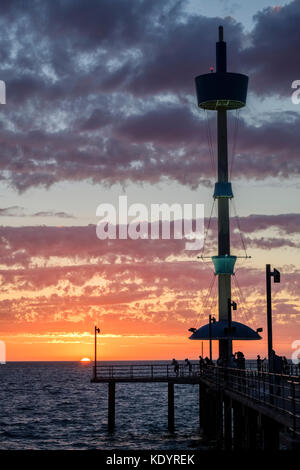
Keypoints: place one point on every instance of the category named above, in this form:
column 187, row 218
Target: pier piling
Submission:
column 270, row 434
column 171, row 415
column 111, row 406
column 229, row 416
column 227, row 423
column 200, row 404
column 238, row 426
column 219, row 419
column 251, row 418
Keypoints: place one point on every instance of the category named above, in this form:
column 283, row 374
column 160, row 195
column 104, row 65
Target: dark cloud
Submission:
column 275, row 42
column 61, row 214
column 286, row 223
column 17, row 211
column 270, row 243
column 168, row 124
column 21, row 245
column 66, row 275
column 25, row 87
column 104, row 91
column 12, row 211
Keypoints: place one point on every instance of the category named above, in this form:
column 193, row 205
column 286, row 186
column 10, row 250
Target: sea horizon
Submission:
column 56, row 407
column 116, row 360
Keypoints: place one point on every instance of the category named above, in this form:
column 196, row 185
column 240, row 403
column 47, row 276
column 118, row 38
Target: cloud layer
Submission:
column 104, row 92
column 60, row 277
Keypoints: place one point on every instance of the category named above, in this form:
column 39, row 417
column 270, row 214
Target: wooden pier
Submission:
column 239, row 409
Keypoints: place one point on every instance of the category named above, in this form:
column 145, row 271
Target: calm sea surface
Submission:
column 53, row 405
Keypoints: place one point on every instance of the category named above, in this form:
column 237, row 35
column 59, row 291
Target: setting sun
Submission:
column 85, row 359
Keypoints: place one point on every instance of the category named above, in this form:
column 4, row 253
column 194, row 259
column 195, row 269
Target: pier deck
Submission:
column 273, row 396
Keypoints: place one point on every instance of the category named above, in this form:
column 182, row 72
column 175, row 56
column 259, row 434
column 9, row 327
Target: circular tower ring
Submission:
column 221, row 90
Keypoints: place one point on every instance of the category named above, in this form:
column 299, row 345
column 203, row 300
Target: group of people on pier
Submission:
column 280, row 364
column 237, row 361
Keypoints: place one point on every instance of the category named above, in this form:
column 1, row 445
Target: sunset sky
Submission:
column 101, row 103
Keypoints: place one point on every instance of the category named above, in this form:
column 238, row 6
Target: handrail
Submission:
column 277, row 391
column 291, row 370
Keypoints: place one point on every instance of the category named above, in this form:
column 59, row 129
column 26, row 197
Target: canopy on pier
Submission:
column 219, row 330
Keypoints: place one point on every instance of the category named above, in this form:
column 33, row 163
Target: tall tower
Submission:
column 223, row 91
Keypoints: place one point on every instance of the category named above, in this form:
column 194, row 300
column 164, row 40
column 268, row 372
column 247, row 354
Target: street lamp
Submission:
column 230, row 303
column 211, row 320
column 276, row 275
column 97, row 330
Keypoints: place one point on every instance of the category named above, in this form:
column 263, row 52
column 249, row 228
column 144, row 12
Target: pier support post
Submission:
column 201, row 405
column 227, row 423
column 205, row 411
column 238, row 426
column 251, row 421
column 210, row 410
column 111, row 406
column 199, row 401
column 219, row 419
column 171, row 420
column 270, row 434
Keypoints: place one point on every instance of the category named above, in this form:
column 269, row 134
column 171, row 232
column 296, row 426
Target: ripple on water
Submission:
column 54, row 406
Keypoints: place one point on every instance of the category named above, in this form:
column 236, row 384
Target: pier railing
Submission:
column 279, row 392
column 168, row 370
column 145, row 371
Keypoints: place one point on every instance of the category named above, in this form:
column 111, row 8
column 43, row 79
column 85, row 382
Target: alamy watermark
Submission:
column 152, row 224
column 296, row 354
column 295, row 95
column 2, row 92
column 2, row 101
column 2, row 352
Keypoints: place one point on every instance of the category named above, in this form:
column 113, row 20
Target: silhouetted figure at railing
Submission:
column 278, row 364
column 176, row 367
column 188, row 365
column 240, row 360
column 201, row 363
column 277, row 368
column 232, row 363
column 285, row 365
column 208, row 362
column 264, row 365
column 220, row 362
column 259, row 363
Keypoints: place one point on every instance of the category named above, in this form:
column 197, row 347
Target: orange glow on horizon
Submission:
column 79, row 345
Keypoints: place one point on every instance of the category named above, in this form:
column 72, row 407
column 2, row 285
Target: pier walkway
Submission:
column 275, row 397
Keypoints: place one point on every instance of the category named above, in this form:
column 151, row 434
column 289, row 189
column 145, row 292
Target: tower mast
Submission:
column 223, row 91
column 224, row 279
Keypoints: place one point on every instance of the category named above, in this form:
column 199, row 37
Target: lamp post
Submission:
column 97, row 330
column 276, row 275
column 211, row 320
column 230, row 303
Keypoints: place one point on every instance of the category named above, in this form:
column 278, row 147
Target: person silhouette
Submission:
column 258, row 363
column 189, row 365
column 176, row 367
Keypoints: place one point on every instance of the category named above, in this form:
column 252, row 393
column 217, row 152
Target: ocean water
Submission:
column 53, row 405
